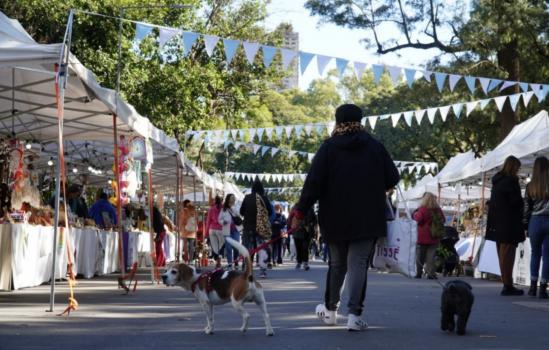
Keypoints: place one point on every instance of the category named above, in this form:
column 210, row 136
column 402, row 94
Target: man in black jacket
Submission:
column 349, row 177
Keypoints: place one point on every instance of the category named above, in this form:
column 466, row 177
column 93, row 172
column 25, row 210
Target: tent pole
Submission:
column 176, row 216
column 118, row 198
column 151, row 230
column 61, row 78
column 480, row 213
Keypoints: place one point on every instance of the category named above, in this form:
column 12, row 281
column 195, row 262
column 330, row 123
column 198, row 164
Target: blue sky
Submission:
column 329, row 39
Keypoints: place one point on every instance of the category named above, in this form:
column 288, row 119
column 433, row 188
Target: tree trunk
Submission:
column 508, row 59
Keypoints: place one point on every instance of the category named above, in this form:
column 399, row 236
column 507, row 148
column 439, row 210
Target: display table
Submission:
column 139, row 248
column 489, row 261
column 26, row 254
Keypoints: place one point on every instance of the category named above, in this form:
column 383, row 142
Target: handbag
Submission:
column 237, row 220
column 263, row 225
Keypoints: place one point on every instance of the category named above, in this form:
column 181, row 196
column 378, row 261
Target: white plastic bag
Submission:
column 397, row 251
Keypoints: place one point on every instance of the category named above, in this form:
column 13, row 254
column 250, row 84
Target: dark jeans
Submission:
column 251, row 240
column 302, row 250
column 349, row 258
column 277, row 251
column 538, row 230
column 232, row 253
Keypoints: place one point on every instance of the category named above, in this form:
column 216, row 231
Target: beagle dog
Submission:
column 219, row 287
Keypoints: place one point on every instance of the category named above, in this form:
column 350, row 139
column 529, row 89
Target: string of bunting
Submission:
column 323, row 128
column 230, row 46
column 277, row 190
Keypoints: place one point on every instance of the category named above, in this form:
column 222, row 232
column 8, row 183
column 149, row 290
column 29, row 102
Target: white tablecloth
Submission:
column 489, row 261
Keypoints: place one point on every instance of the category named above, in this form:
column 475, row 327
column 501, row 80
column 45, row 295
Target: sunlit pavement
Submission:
column 402, row 313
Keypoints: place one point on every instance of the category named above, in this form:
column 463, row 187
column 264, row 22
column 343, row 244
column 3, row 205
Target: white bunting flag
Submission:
column 260, row 132
column 269, row 133
column 330, row 127
column 419, row 115
column 373, row 122
column 513, row 101
column 359, row 69
column 292, row 153
column 507, row 84
column 457, row 109
column 484, row 103
column 308, row 129
column 310, row 156
column 444, row 112
column 321, row 63
column 494, row 84
column 250, row 49
column 210, row 41
column 287, row 57
column 279, row 130
column 320, row 128
column 298, row 129
column 431, row 112
column 453, row 80
column 242, row 134
column 471, row 81
column 234, row 133
column 408, row 117
column 427, row 75
column 288, row 130
column 264, row 149
column 274, row 151
column 410, row 75
column 256, row 148
column 526, row 97
column 394, row 118
column 470, row 106
column 252, row 134
column 394, row 72
column 440, row 79
column 500, row 101
column 166, row 34
column 484, row 83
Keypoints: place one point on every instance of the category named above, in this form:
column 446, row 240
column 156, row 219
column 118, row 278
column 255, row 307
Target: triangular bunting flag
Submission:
column 278, row 131
column 378, row 70
column 252, row 134
column 470, row 106
column 250, row 49
column 264, row 149
column 298, row 129
column 394, row 72
column 242, row 134
column 260, row 132
column 431, row 112
column 526, row 97
column 230, row 47
column 292, row 153
column 304, row 60
column 269, row 133
column 513, row 101
column 408, row 117
column 189, row 38
column 359, row 69
column 341, row 65
column 500, row 101
column 444, row 112
column 274, row 151
column 210, row 41
column 494, row 84
column 234, row 133
column 319, row 128
column 440, row 78
column 507, row 84
column 269, row 53
column 330, row 127
column 372, row 121
column 308, row 129
column 394, row 118
column 427, row 75
column 484, row 83
column 453, row 80
column 142, row 30
column 471, row 81
column 419, row 115
column 321, row 63
column 287, row 57
column 288, row 130
column 261, row 177
column 484, row 103
column 523, row 87
column 166, row 34
column 256, row 148
column 310, row 156
column 457, row 109
column 410, row 75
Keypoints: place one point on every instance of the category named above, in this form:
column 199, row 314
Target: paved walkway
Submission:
column 403, row 314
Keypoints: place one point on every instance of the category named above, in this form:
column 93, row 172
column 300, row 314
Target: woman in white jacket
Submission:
column 227, row 217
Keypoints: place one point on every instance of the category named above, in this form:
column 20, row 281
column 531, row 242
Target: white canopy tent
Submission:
column 526, row 141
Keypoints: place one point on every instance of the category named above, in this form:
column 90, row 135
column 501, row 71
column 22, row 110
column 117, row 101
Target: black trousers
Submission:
column 302, row 250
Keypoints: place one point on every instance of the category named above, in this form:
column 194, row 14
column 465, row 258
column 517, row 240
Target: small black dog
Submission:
column 457, row 299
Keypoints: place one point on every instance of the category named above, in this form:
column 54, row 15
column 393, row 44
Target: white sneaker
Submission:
column 356, row 323
column 325, row 315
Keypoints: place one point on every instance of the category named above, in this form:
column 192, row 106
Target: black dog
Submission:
column 457, row 299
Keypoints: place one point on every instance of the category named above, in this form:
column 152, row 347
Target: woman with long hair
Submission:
column 536, row 218
column 504, row 224
column 430, row 221
column 227, row 218
column 188, row 225
column 214, row 229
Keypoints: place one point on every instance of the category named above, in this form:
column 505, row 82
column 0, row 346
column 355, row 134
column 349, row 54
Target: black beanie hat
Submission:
column 348, row 113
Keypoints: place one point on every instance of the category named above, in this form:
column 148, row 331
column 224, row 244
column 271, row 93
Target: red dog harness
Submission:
column 208, row 275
